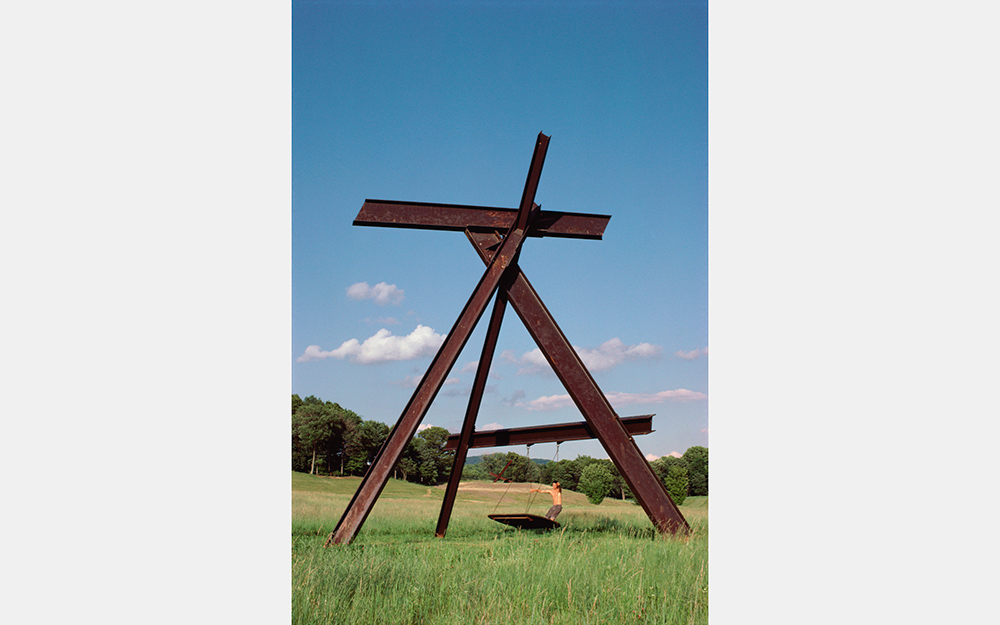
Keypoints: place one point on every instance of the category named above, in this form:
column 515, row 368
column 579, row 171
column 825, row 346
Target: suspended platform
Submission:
column 525, row 521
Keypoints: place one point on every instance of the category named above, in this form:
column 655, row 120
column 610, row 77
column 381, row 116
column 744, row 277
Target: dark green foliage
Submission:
column 434, row 464
column 662, row 465
column 313, row 426
column 675, row 474
column 474, row 472
column 566, row 472
column 300, row 457
column 545, row 475
column 372, row 435
column 697, row 460
column 331, row 439
column 406, row 466
column 619, row 488
column 520, row 470
column 676, row 482
column 596, row 482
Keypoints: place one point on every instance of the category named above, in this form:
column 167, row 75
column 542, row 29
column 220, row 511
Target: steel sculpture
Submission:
column 497, row 235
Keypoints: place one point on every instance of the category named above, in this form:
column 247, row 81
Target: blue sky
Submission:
column 441, row 102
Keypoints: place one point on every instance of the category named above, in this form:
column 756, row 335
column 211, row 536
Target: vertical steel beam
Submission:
column 475, row 399
column 378, row 473
column 566, row 363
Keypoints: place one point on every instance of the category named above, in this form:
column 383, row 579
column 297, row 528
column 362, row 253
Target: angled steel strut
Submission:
column 497, row 235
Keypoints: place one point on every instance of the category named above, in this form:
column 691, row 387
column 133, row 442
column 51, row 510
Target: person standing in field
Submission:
column 556, row 493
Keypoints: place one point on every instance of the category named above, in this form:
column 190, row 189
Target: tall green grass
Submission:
column 605, row 564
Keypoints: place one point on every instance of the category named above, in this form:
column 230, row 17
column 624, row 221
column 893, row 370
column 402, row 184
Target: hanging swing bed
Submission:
column 556, row 433
column 524, row 521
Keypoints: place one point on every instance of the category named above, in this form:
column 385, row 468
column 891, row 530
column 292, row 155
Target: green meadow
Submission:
column 605, row 564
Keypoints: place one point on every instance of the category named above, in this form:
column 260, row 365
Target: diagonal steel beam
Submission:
column 531, row 184
column 566, row 363
column 378, row 473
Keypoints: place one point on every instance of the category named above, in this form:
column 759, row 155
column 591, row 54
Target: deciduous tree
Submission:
column 313, row 427
column 697, row 460
column 596, row 482
column 676, row 481
column 566, row 472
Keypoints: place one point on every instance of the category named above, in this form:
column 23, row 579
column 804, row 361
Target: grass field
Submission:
column 605, row 564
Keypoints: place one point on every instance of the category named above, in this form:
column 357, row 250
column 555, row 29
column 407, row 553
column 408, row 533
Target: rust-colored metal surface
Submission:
column 649, row 491
column 475, row 399
column 497, row 235
column 499, row 476
column 555, row 433
column 420, row 215
column 378, row 473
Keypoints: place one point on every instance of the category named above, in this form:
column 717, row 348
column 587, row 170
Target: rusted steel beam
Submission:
column 531, row 184
column 422, row 215
column 556, row 433
column 645, row 485
column 378, row 473
column 475, row 399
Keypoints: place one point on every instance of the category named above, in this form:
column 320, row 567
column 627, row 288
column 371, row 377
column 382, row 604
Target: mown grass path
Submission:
column 604, row 565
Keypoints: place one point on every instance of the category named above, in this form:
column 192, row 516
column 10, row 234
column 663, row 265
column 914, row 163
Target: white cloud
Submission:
column 382, row 293
column 609, row 354
column 514, row 399
column 552, row 402
column 614, row 352
column 490, row 426
column 382, row 347
column 681, row 394
column 508, row 356
column 425, row 426
column 673, row 454
column 691, row 355
column 534, row 362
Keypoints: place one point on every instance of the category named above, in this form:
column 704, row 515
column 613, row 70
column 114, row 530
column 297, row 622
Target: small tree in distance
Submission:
column 676, row 482
column 697, row 461
column 596, row 482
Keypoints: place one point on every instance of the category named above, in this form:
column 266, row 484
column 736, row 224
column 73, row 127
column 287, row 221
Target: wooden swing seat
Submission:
column 525, row 521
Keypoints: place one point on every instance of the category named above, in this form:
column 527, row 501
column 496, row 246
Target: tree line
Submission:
column 332, row 440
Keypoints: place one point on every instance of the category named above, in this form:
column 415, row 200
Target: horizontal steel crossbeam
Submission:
column 555, row 433
column 421, row 215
